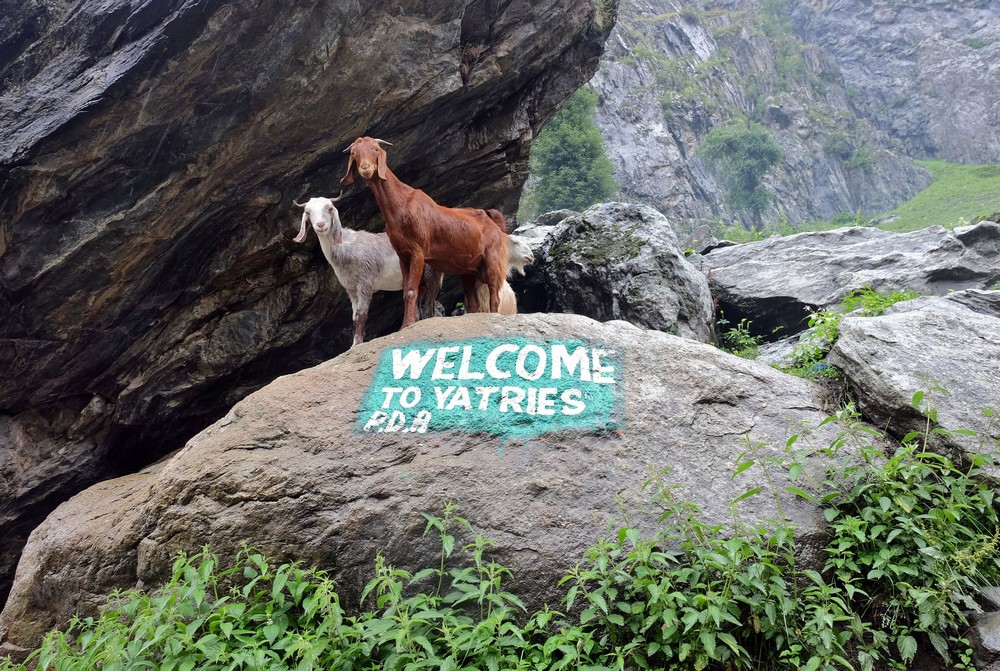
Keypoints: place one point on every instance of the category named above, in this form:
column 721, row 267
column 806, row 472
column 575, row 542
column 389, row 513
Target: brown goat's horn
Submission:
column 298, row 204
column 383, row 142
column 334, row 200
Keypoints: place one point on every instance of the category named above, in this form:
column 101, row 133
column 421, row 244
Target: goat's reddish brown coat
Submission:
column 468, row 242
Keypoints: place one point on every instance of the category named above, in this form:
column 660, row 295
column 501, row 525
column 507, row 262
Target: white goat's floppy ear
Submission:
column 302, row 229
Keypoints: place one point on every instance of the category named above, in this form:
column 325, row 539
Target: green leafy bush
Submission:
column 570, row 168
column 913, row 536
column 743, row 153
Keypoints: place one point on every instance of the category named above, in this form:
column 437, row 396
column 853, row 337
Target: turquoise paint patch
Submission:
column 514, row 388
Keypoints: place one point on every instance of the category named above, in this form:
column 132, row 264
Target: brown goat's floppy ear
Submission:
column 348, row 178
column 381, row 164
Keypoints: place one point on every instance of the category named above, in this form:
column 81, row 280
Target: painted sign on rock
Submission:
column 515, row 387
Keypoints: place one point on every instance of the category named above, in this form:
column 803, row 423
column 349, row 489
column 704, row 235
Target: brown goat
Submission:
column 467, row 242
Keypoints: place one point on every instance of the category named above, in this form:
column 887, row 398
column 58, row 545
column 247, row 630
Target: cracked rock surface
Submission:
column 288, row 471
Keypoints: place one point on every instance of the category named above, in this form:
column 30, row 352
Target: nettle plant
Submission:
column 913, row 536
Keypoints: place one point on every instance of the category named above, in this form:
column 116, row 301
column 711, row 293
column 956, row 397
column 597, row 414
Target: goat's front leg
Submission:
column 361, row 299
column 412, row 268
column 471, row 286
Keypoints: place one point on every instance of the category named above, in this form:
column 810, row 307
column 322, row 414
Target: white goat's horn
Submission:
column 383, row 142
column 298, row 204
column 334, row 200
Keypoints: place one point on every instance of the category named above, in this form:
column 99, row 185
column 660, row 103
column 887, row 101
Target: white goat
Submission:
column 366, row 262
column 520, row 255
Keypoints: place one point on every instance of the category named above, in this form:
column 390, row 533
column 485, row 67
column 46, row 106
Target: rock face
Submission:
column 618, row 261
column 301, row 470
column 775, row 282
column 925, row 72
column 670, row 74
column 918, row 345
column 149, row 155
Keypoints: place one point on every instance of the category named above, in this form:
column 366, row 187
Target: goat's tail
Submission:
column 497, row 217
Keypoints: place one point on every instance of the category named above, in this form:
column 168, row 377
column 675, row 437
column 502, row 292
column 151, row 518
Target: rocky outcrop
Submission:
column 149, row 155
column 944, row 347
column 925, row 73
column 308, row 468
column 617, row 261
column 674, row 71
column 775, row 282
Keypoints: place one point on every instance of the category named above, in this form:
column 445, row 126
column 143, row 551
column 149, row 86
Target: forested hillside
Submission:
column 850, row 93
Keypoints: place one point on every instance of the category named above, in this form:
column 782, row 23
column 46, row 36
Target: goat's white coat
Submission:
column 366, row 262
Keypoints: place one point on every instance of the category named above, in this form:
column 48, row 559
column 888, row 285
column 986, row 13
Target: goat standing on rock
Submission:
column 467, row 242
column 366, row 262
column 363, row 262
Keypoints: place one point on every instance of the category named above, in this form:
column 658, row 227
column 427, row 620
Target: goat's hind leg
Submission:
column 430, row 286
column 471, row 286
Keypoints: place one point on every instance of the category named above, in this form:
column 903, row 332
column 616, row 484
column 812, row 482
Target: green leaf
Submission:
column 939, row 643
column 907, row 646
column 747, row 494
column 742, row 467
column 447, row 544
column 801, row 493
column 707, row 639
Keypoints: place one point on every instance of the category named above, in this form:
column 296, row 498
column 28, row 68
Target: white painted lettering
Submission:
column 375, row 420
column 442, row 395
column 600, row 370
column 572, row 405
column 511, row 398
column 491, row 360
column 547, row 401
column 484, row 395
column 463, row 371
column 522, row 370
column 561, row 358
column 413, row 362
column 441, row 364
column 396, row 422
column 460, row 398
column 421, row 422
column 532, row 397
column 410, row 397
column 389, row 391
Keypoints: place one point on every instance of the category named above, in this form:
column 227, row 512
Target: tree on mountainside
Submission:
column 570, row 168
column 742, row 154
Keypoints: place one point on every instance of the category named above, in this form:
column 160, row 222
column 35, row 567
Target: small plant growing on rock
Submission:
column 809, row 355
column 739, row 340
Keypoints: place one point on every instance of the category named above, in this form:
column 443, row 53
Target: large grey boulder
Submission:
column 775, row 282
column 619, row 261
column 149, row 155
column 308, row 468
column 951, row 343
